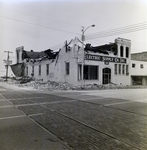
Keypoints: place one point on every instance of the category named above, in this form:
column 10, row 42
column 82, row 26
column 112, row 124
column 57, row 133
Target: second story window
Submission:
column 67, row 68
column 39, row 70
column 127, row 52
column 121, row 51
column 141, row 66
column 133, row 65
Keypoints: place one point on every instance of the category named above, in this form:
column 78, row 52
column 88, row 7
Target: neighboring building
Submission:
column 139, row 68
column 139, row 56
column 110, row 63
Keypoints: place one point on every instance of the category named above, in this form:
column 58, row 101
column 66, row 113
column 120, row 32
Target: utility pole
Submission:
column 83, row 53
column 8, row 62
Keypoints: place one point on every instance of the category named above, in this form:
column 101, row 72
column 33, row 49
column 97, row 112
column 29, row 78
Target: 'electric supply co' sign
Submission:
column 104, row 58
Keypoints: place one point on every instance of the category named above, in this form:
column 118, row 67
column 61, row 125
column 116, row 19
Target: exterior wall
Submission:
column 51, row 76
column 123, row 79
column 137, row 70
column 71, row 57
column 19, row 54
column 125, row 43
column 57, row 70
column 57, row 67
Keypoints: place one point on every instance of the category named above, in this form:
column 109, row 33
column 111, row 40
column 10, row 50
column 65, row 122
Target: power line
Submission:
column 125, row 27
column 122, row 30
column 55, row 47
column 39, row 25
column 42, row 17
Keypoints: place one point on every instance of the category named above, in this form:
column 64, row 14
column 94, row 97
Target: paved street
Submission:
column 80, row 120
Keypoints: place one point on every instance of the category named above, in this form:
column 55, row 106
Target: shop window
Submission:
column 39, row 70
column 121, row 51
column 136, row 80
column 141, row 66
column 119, row 69
column 123, row 69
column 127, row 52
column 133, row 65
column 67, row 68
column 47, row 69
column 115, row 68
column 127, row 69
column 90, row 72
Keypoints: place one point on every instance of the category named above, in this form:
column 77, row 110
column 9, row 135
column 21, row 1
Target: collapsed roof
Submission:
column 49, row 54
column 104, row 49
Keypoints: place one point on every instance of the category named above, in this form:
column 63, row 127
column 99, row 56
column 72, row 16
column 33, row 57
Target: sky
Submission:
column 46, row 24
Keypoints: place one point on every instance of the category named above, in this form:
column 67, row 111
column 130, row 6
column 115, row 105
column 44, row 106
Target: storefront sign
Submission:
column 104, row 58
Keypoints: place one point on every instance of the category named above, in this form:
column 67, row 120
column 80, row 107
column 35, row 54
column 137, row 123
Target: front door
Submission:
column 106, row 75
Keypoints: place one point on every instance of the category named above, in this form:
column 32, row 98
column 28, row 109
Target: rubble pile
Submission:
column 52, row 85
column 48, row 85
column 28, row 82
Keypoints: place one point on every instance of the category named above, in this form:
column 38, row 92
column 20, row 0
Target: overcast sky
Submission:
column 46, row 24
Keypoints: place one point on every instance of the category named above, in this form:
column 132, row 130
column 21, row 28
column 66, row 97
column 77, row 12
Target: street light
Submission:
column 83, row 55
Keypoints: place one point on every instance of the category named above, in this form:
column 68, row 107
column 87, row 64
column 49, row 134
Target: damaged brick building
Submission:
column 110, row 63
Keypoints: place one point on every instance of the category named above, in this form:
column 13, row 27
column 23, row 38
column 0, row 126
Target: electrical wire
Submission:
column 42, row 17
column 56, row 47
column 117, row 31
column 122, row 28
column 39, row 25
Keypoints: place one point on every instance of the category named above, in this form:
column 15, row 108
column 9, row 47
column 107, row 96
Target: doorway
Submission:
column 106, row 75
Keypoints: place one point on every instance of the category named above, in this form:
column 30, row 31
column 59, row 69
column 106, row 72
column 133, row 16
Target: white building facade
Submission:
column 110, row 63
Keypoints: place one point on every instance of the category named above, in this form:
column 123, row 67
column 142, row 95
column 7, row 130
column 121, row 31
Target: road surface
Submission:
column 80, row 120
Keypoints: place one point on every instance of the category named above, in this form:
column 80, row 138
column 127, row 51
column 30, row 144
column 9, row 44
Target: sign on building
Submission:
column 104, row 58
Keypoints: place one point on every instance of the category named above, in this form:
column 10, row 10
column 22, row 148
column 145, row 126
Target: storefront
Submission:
column 110, row 63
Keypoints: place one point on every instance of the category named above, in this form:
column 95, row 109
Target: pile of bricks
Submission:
column 52, row 85
column 49, row 85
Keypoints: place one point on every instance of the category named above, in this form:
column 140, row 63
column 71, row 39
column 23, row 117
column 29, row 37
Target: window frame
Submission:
column 119, row 69
column 141, row 66
column 123, row 69
column 133, row 65
column 127, row 52
column 33, row 70
column 127, row 70
column 92, row 72
column 115, row 69
column 39, row 70
column 67, row 68
column 121, row 51
column 27, row 70
column 47, row 69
